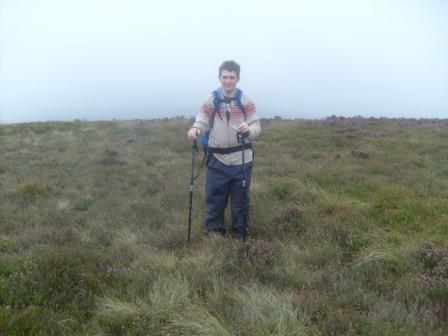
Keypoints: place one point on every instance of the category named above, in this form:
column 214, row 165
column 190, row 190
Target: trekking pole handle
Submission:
column 241, row 137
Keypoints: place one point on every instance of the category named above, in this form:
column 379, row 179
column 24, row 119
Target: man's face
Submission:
column 228, row 80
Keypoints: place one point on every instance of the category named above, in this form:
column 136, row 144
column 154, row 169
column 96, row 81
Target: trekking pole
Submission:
column 242, row 138
column 194, row 148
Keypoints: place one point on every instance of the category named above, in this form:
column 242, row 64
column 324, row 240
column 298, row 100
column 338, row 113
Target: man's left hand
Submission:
column 244, row 128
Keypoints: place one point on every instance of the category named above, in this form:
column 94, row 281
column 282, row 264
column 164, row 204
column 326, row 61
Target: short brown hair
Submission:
column 230, row 66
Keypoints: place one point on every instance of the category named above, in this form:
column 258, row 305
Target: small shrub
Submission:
column 435, row 280
column 435, row 260
column 111, row 158
column 288, row 217
column 259, row 251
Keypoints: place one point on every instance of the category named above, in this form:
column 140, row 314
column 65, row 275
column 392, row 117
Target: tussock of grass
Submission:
column 292, row 268
column 114, row 312
column 265, row 312
column 210, row 260
column 31, row 192
column 151, row 312
column 168, row 294
column 199, row 321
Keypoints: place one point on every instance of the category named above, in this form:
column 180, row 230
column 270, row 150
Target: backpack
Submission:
column 218, row 100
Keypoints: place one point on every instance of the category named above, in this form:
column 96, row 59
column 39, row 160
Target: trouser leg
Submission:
column 240, row 200
column 217, row 195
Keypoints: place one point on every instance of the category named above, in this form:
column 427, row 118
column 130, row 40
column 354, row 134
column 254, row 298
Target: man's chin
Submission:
column 228, row 91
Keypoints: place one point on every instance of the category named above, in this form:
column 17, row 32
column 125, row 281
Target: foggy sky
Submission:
column 105, row 59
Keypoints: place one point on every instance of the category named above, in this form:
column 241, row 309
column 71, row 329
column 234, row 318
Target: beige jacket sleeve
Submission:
column 251, row 117
column 203, row 116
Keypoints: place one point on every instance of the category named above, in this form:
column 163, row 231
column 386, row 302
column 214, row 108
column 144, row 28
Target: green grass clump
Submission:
column 149, row 312
column 348, row 231
column 265, row 312
column 397, row 206
column 31, row 192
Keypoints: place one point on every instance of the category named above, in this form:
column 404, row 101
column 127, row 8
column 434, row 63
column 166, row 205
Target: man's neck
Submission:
column 229, row 95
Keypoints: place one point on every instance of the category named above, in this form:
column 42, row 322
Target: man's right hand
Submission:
column 193, row 133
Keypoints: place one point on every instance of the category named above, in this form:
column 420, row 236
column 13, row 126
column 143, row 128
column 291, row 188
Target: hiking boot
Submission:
column 237, row 235
column 212, row 233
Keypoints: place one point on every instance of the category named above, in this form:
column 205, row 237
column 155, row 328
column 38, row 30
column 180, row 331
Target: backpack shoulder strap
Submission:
column 238, row 96
column 217, row 100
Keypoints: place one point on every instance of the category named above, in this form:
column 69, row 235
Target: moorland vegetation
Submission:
column 349, row 224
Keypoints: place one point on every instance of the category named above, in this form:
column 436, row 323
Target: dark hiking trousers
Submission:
column 225, row 181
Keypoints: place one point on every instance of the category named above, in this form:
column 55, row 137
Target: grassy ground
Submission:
column 349, row 231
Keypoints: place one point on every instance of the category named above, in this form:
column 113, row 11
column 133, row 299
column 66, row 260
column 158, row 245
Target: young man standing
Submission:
column 227, row 116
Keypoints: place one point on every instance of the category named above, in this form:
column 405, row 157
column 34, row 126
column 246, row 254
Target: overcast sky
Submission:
column 126, row 59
